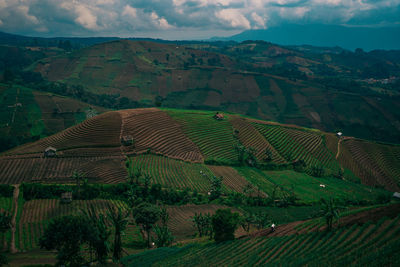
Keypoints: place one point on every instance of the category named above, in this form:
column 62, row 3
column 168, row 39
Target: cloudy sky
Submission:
column 185, row 19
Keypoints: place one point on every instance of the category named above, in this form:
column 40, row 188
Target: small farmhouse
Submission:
column 218, row 116
column 339, row 134
column 50, row 152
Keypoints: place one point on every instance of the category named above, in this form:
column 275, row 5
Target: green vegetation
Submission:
column 174, row 173
column 326, row 248
column 214, row 138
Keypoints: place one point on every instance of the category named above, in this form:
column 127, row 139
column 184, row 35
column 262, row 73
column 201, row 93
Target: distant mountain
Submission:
column 326, row 35
column 254, row 78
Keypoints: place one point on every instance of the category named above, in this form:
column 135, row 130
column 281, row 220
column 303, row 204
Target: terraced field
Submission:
column 37, row 213
column 295, row 144
column 175, row 173
column 154, row 129
column 53, row 170
column 250, row 137
column 306, row 188
column 214, row 138
column 101, row 131
column 363, row 245
column 375, row 164
column 230, row 177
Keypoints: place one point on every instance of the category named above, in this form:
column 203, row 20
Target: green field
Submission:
column 175, row 173
column 214, row 138
column 306, row 188
column 369, row 244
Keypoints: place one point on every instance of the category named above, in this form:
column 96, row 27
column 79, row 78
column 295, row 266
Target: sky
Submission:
column 185, row 19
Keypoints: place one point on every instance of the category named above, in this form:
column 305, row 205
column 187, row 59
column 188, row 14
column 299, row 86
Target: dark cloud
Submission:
column 183, row 18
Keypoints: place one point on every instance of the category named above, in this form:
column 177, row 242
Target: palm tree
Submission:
column 330, row 211
column 99, row 234
column 119, row 219
column 78, row 177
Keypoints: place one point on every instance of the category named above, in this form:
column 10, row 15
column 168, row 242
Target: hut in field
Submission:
column 396, row 195
column 50, row 152
column 127, row 140
column 66, row 197
column 339, row 134
column 218, row 116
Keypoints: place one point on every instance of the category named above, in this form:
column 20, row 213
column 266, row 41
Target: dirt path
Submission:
column 15, row 107
column 338, row 148
column 13, row 249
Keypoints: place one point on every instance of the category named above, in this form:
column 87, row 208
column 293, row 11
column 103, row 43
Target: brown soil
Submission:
column 373, row 215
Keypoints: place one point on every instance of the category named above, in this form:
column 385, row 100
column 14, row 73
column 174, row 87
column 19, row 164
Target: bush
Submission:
column 6, row 190
column 224, row 224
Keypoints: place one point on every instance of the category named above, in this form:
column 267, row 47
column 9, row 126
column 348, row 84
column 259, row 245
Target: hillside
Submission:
column 283, row 170
column 259, row 79
column 169, row 144
column 28, row 115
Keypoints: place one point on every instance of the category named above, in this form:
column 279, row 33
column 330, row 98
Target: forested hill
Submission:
column 331, row 89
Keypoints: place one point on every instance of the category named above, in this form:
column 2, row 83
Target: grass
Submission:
column 295, row 250
column 175, row 173
column 214, row 138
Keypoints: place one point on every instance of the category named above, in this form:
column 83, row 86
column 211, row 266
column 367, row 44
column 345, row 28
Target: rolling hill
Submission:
column 181, row 151
column 169, row 144
column 28, row 115
column 259, row 79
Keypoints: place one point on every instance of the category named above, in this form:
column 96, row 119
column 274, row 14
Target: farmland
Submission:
column 214, row 138
column 371, row 243
column 173, row 173
column 37, row 213
column 180, row 152
column 27, row 115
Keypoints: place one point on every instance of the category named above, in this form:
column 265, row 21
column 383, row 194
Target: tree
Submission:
column 330, row 211
column 66, row 234
column 119, row 219
column 246, row 156
column 246, row 221
column 224, row 224
column 78, row 177
column 164, row 236
column 216, row 187
column 146, row 215
column 261, row 219
column 299, row 165
column 268, row 155
column 318, row 171
column 202, row 223
column 146, row 184
column 5, row 225
column 99, row 234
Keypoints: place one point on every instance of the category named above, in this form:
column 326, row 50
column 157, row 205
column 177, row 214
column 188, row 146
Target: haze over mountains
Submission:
column 327, row 88
column 348, row 37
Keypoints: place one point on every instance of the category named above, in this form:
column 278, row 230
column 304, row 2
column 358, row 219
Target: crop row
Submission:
column 37, row 213
column 297, row 144
column 214, row 138
column 102, row 131
column 13, row 171
column 107, row 171
column 230, row 177
column 156, row 130
column 174, row 173
column 373, row 163
column 250, row 137
column 313, row 248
